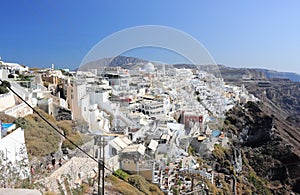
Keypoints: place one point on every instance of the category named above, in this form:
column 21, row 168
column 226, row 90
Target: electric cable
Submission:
column 44, row 119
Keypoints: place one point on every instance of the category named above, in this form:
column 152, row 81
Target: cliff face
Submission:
column 272, row 150
column 286, row 95
column 281, row 100
column 254, row 127
column 259, row 135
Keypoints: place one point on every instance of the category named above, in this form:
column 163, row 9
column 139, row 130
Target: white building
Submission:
column 118, row 78
column 115, row 146
column 13, row 151
column 10, row 106
column 99, row 123
column 13, row 66
column 152, row 108
column 99, row 94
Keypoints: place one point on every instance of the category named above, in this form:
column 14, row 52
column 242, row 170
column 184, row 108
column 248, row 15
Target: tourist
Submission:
column 53, row 161
column 60, row 162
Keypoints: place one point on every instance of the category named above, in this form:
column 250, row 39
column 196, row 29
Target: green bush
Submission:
column 227, row 122
column 5, row 84
column 22, row 77
column 258, row 183
column 121, row 174
column 3, row 90
column 21, row 122
column 3, row 87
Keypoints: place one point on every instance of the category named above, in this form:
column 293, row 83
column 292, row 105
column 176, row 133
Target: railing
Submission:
column 20, row 110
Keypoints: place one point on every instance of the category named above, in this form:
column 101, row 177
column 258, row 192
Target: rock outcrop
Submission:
column 270, row 155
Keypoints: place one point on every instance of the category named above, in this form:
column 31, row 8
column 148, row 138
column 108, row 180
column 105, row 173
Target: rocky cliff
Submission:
column 271, row 156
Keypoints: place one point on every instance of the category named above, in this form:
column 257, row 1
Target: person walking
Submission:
column 53, row 161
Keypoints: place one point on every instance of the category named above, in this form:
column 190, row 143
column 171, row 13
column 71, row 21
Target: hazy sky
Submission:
column 252, row 33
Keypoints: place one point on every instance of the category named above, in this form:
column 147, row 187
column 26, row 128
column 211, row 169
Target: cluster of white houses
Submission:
column 148, row 115
column 158, row 113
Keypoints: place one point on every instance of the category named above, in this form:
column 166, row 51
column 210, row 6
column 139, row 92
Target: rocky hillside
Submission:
column 266, row 151
column 256, row 73
column 281, row 98
column 272, row 142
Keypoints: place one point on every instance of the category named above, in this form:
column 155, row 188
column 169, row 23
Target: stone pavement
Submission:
column 12, row 191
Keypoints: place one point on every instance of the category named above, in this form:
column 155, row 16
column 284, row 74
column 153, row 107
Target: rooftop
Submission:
column 135, row 148
column 120, row 143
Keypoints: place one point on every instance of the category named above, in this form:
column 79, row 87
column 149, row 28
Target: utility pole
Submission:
column 100, row 163
column 103, row 171
column 101, row 168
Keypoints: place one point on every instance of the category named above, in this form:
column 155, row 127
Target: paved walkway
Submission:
column 11, row 191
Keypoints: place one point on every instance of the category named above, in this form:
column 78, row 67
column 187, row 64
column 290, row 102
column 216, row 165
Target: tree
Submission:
column 3, row 87
column 3, row 90
column 5, row 84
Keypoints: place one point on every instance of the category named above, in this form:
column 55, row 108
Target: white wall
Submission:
column 4, row 74
column 63, row 103
column 14, row 150
column 6, row 100
column 81, row 90
column 84, row 105
column 97, row 98
column 20, row 110
column 94, row 116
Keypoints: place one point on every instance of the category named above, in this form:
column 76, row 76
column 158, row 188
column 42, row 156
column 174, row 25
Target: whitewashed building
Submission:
column 13, row 152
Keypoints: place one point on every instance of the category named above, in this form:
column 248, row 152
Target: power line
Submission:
column 100, row 162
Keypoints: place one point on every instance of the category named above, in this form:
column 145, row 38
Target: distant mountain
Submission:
column 283, row 75
column 122, row 61
column 229, row 72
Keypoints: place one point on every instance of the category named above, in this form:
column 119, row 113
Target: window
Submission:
column 114, row 151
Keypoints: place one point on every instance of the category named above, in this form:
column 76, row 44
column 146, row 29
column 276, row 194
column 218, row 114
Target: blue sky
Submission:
column 254, row 33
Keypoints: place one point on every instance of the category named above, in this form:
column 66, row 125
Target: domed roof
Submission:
column 149, row 67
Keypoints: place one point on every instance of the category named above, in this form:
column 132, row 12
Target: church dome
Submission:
column 149, row 67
